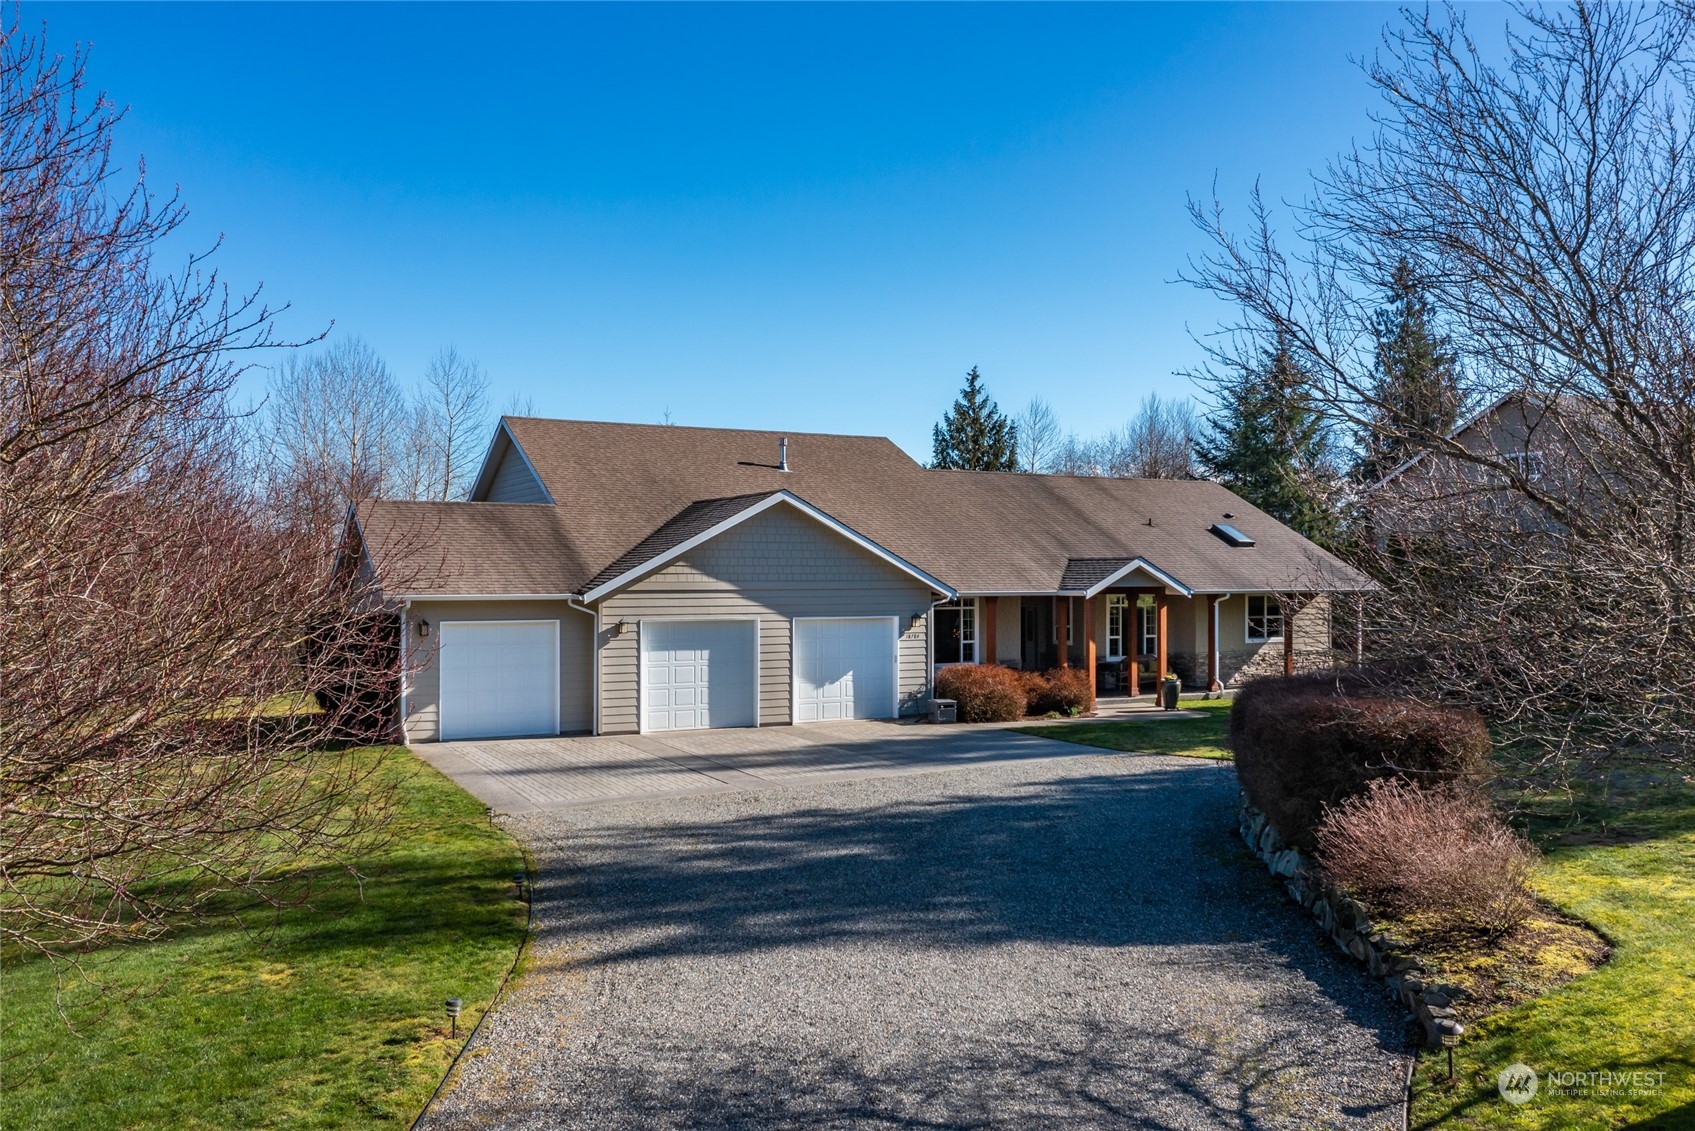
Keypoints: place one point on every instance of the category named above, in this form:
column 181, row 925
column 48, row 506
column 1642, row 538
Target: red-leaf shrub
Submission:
column 1440, row 859
column 1305, row 743
column 1066, row 691
column 1035, row 686
column 986, row 693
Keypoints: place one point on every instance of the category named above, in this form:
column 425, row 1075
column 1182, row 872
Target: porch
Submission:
column 1130, row 637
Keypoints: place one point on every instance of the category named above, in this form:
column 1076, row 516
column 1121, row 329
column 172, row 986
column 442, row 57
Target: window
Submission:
column 1530, row 465
column 956, row 632
column 1117, row 610
column 1147, row 624
column 1265, row 619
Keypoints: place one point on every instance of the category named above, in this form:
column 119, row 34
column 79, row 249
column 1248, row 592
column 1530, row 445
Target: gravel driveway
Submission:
column 1075, row 943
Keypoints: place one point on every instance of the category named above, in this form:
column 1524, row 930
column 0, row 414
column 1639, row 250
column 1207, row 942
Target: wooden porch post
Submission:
column 986, row 631
column 1089, row 640
column 1213, row 684
column 1062, row 628
column 1162, row 608
column 1288, row 608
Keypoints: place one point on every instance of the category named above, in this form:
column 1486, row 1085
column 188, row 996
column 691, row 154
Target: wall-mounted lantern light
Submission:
column 423, row 628
column 621, row 627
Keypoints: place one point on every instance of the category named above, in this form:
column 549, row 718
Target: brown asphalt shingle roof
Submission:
column 619, row 486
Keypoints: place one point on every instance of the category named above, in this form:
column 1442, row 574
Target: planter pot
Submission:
column 1168, row 693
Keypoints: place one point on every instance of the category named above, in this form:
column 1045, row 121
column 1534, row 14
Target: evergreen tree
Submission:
column 974, row 435
column 1415, row 389
column 1266, row 441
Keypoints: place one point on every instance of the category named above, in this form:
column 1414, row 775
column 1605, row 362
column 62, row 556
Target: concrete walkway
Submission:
column 527, row 775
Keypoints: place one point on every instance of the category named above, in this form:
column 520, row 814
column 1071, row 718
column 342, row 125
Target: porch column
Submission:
column 1288, row 608
column 1162, row 607
column 1089, row 640
column 1213, row 684
column 1062, row 628
column 986, row 631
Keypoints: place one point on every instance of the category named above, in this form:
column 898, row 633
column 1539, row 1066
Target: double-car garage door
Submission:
column 705, row 673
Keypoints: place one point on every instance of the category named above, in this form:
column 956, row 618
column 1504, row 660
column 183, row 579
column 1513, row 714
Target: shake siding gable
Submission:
column 778, row 565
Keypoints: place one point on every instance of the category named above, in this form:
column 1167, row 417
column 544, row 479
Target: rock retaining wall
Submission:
column 1345, row 921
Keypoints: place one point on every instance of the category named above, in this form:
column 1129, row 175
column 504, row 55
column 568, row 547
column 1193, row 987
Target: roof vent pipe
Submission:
column 783, row 454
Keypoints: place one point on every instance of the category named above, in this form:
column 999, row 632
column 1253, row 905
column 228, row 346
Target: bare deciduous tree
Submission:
column 337, row 429
column 1038, row 436
column 149, row 606
column 1546, row 201
column 449, row 429
column 1157, row 443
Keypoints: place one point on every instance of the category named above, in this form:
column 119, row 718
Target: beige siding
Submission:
column 775, row 566
column 514, row 482
column 576, row 670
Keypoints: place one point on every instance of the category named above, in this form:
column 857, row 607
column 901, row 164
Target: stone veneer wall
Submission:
column 1346, row 923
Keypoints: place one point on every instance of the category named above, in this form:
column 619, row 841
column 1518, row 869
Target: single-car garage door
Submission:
column 499, row 678
column 699, row 673
column 844, row 668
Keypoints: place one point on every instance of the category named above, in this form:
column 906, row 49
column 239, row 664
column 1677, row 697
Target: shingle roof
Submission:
column 696, row 518
column 1081, row 573
column 621, row 487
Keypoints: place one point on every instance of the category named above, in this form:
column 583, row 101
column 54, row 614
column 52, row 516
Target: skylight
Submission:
column 1231, row 535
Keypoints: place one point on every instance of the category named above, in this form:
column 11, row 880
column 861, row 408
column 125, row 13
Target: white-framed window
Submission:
column 956, row 632
column 1530, row 465
column 1147, row 628
column 1265, row 619
column 1117, row 612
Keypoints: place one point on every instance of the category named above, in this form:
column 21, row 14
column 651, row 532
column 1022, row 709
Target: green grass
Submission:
column 327, row 1015
column 1192, row 738
column 1623, row 860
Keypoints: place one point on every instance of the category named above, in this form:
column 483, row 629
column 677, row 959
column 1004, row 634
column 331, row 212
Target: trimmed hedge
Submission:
column 1305, row 743
column 1064, row 691
column 986, row 693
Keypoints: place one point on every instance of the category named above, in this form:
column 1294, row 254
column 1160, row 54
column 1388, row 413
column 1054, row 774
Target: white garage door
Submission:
column 699, row 673
column 499, row 678
column 844, row 669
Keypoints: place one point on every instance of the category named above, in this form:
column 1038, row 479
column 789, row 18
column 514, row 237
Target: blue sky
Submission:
column 793, row 217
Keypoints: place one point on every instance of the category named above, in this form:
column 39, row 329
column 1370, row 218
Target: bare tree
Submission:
column 1038, row 436
column 1157, row 443
column 149, row 606
column 1546, row 202
column 448, row 429
column 338, row 428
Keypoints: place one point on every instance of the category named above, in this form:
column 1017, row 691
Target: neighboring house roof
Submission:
column 625, row 494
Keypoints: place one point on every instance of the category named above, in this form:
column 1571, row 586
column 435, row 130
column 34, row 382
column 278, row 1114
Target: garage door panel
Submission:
column 499, row 678
column 698, row 674
column 844, row 669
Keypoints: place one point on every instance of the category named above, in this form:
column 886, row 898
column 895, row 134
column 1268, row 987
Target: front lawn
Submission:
column 1622, row 857
column 322, row 1016
column 1192, row 738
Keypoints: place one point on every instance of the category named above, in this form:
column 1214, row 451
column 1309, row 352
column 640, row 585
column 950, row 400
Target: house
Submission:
column 620, row 579
column 1545, row 444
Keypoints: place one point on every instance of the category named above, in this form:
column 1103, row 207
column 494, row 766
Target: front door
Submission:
column 1036, row 651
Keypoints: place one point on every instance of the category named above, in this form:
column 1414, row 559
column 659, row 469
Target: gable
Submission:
column 507, row 476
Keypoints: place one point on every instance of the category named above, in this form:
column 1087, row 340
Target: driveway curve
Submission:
column 1072, row 943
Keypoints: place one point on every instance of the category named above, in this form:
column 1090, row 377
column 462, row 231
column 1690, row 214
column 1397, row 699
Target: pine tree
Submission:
column 1267, row 442
column 1416, row 388
column 975, row 436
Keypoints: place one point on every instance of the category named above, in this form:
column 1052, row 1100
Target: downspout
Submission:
column 405, row 681
column 1218, row 635
column 571, row 602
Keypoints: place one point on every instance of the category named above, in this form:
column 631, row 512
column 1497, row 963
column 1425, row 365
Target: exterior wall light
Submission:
column 423, row 628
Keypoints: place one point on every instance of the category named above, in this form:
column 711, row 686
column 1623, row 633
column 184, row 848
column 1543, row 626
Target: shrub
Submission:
column 986, row 693
column 1066, row 691
column 1035, row 686
column 1440, row 859
column 1305, row 743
